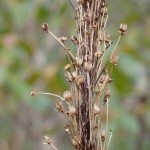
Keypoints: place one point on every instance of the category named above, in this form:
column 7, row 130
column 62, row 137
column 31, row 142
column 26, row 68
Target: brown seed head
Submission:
column 67, row 96
column 87, row 66
column 114, row 59
column 45, row 27
column 33, row 93
column 74, row 40
column 62, row 39
column 59, row 107
column 122, row 29
column 66, row 127
column 79, row 79
column 103, row 135
column 72, row 111
column 107, row 95
column 98, row 54
column 47, row 140
column 79, row 61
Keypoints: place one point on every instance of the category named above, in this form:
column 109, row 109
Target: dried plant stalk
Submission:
column 88, row 76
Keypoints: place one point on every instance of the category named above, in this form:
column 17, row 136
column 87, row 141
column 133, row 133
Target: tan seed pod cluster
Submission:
column 67, row 96
column 122, row 29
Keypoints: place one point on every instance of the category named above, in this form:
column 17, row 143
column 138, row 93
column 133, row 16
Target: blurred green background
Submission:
column 31, row 59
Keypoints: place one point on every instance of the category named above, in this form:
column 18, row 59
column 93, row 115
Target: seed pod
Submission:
column 79, row 61
column 62, row 39
column 98, row 54
column 79, row 79
column 47, row 140
column 45, row 27
column 67, row 96
column 72, row 111
column 114, row 59
column 103, row 135
column 67, row 129
column 107, row 95
column 74, row 40
column 59, row 107
column 87, row 66
column 122, row 29
column 71, row 76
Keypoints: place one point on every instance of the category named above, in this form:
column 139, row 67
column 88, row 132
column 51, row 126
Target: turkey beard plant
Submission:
column 85, row 102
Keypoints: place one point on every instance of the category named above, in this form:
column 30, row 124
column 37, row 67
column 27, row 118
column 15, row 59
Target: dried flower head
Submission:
column 71, row 76
column 45, row 27
column 79, row 61
column 106, row 95
column 60, row 107
column 66, row 127
column 79, row 79
column 87, row 66
column 67, row 96
column 34, row 93
column 98, row 54
column 74, row 40
column 103, row 136
column 62, row 39
column 122, row 29
column 114, row 59
column 72, row 111
column 47, row 140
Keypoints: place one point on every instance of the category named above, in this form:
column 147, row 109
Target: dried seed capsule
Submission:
column 74, row 40
column 63, row 39
column 103, row 135
column 45, row 27
column 67, row 96
column 33, row 93
column 59, row 107
column 87, row 66
column 72, row 111
column 79, row 79
column 98, row 54
column 114, row 59
column 67, row 129
column 71, row 76
column 107, row 95
column 122, row 29
column 47, row 140
column 79, row 61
